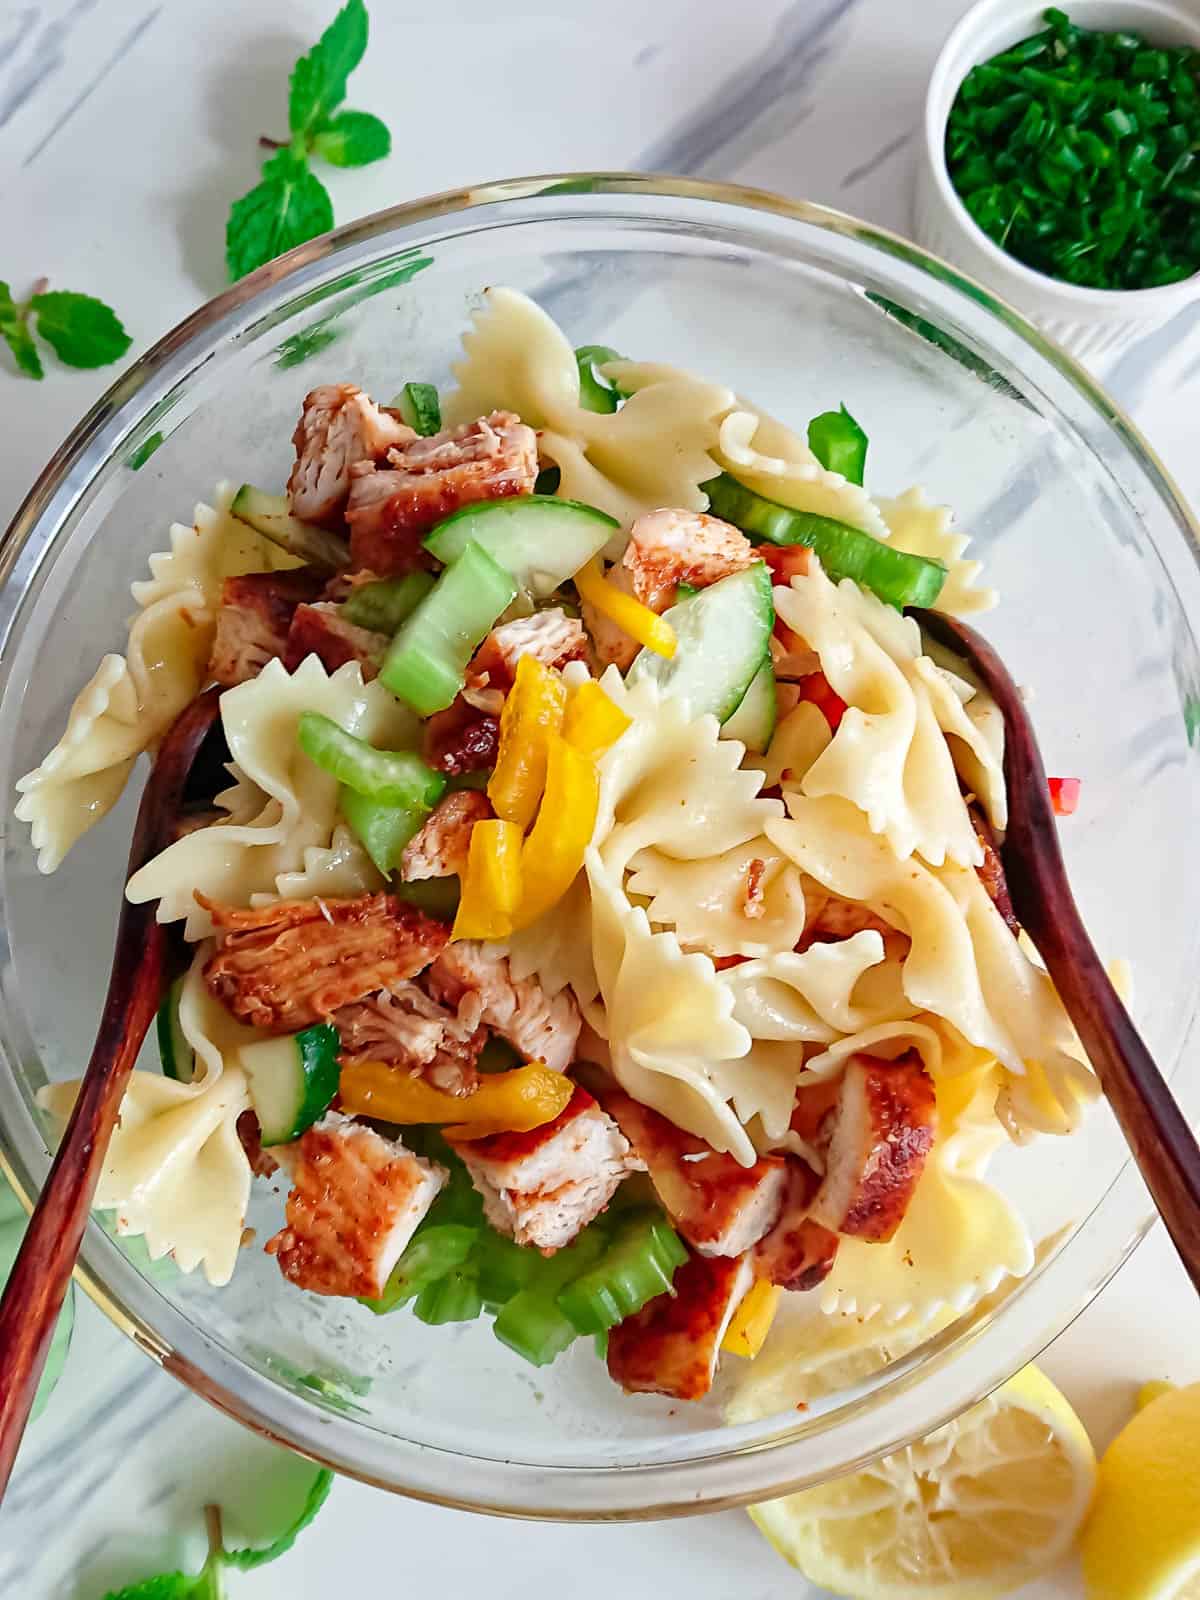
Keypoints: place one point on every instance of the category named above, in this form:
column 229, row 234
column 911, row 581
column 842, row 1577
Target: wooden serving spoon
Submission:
column 38, row 1282
column 1155, row 1129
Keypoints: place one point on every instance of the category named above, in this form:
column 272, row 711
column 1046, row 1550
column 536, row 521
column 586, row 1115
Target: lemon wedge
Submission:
column 1142, row 1540
column 977, row 1509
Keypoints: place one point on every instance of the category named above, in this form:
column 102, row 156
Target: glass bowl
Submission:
column 801, row 308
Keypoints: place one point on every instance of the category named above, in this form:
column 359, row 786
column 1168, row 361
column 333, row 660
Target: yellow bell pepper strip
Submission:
column 510, row 1102
column 533, row 710
column 553, row 851
column 630, row 615
column 747, row 1333
column 592, row 722
column 491, row 886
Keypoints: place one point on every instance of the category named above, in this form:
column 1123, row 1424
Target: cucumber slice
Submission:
column 383, row 605
column 541, row 540
column 177, row 1056
column 723, row 636
column 596, row 393
column 419, row 407
column 896, row 577
column 270, row 515
column 754, row 720
column 426, row 663
column 292, row 1080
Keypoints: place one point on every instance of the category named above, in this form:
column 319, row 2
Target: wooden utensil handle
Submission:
column 38, row 1282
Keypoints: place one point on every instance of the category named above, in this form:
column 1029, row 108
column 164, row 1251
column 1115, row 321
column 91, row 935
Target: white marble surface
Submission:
column 125, row 129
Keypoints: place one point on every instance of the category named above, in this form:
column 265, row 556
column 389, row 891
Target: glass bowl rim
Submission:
column 730, row 1477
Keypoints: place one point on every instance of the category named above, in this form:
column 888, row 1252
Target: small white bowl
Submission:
column 1089, row 322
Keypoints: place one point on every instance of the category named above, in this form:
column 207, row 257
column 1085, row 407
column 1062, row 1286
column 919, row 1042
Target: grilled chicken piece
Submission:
column 827, row 918
column 320, row 630
column 390, row 510
column 880, row 1135
column 296, row 962
column 356, row 1202
column 671, row 1346
column 253, row 619
column 461, row 739
column 667, row 548
column 543, row 1187
column 991, row 870
column 249, row 1132
column 786, row 561
column 611, row 646
column 798, row 1253
column 339, row 427
column 720, row 1207
column 404, row 1027
column 476, row 979
column 439, row 850
column 551, row 637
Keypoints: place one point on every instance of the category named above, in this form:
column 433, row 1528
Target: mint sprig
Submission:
column 81, row 330
column 207, row 1583
column 291, row 204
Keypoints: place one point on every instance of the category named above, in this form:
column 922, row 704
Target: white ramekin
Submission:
column 1091, row 323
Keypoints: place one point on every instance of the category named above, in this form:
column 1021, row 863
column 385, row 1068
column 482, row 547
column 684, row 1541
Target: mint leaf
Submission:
column 316, row 1498
column 17, row 336
column 289, row 206
column 318, row 84
column 83, row 331
column 205, row 1585
column 352, row 139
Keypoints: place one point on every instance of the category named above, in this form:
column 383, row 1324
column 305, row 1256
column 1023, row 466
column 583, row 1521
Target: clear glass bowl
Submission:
column 1081, row 531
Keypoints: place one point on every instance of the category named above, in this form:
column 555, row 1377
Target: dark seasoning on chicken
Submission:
column 454, row 1134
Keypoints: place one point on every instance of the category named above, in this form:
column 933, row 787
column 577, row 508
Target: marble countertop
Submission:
column 126, row 126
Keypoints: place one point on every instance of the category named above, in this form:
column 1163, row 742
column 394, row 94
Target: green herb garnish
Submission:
column 1075, row 151
column 82, row 331
column 291, row 204
column 207, row 1583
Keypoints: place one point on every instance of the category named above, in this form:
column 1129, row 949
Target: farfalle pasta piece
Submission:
column 888, row 756
column 746, row 901
column 655, row 451
column 175, row 1170
column 973, row 727
column 341, row 868
column 558, row 946
column 815, row 995
column 231, row 862
column 914, row 524
column 963, row 963
column 132, row 700
column 666, row 1017
column 800, row 737
column 769, row 458
column 960, row 1236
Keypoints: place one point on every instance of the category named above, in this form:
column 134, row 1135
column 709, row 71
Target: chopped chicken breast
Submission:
column 611, row 646
column 461, row 739
column 543, row 1187
column 667, row 548
column 551, row 637
column 356, row 1202
column 404, row 1027
column 881, row 1132
column 798, row 1253
column 720, row 1207
column 672, row 1345
column 320, row 630
column 339, row 427
column 253, row 619
column 828, row 918
column 296, row 962
column 391, row 509
column 476, row 979
column 439, row 850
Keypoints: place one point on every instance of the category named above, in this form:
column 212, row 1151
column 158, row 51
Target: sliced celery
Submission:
column 640, row 1264
column 382, row 830
column 383, row 605
column 393, row 777
column 427, row 661
column 454, row 1298
column 431, row 1254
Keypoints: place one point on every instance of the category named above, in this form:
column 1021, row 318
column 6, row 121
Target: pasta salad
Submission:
column 602, row 928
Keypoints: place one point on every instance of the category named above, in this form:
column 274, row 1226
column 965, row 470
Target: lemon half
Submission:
column 977, row 1509
column 1142, row 1540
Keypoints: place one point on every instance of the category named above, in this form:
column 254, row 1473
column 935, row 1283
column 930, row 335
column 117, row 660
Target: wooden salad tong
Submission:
column 1155, row 1128
column 39, row 1279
